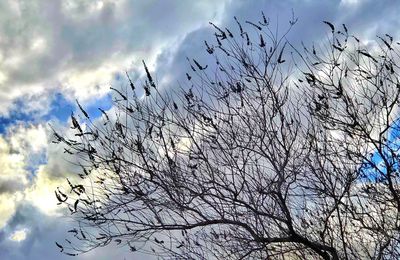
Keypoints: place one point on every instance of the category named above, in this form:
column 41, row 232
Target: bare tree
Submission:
column 272, row 152
column 354, row 99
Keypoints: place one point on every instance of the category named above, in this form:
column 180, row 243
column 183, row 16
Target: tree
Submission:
column 277, row 153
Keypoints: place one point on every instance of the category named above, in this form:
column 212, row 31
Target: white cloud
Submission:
column 21, row 149
column 32, row 139
column 8, row 205
column 19, row 235
column 41, row 193
column 351, row 3
column 38, row 45
column 13, row 175
column 75, row 47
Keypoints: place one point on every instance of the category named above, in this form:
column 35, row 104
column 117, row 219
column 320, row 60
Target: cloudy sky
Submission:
column 53, row 52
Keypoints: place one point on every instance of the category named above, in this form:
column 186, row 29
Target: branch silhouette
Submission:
column 272, row 152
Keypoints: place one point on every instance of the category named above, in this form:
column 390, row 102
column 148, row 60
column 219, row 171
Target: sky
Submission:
column 54, row 52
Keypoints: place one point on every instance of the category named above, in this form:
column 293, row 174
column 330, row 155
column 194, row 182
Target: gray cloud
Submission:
column 360, row 16
column 78, row 39
column 11, row 185
column 46, row 45
column 42, row 232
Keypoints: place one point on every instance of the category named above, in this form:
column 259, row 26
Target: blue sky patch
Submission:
column 16, row 117
column 61, row 108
